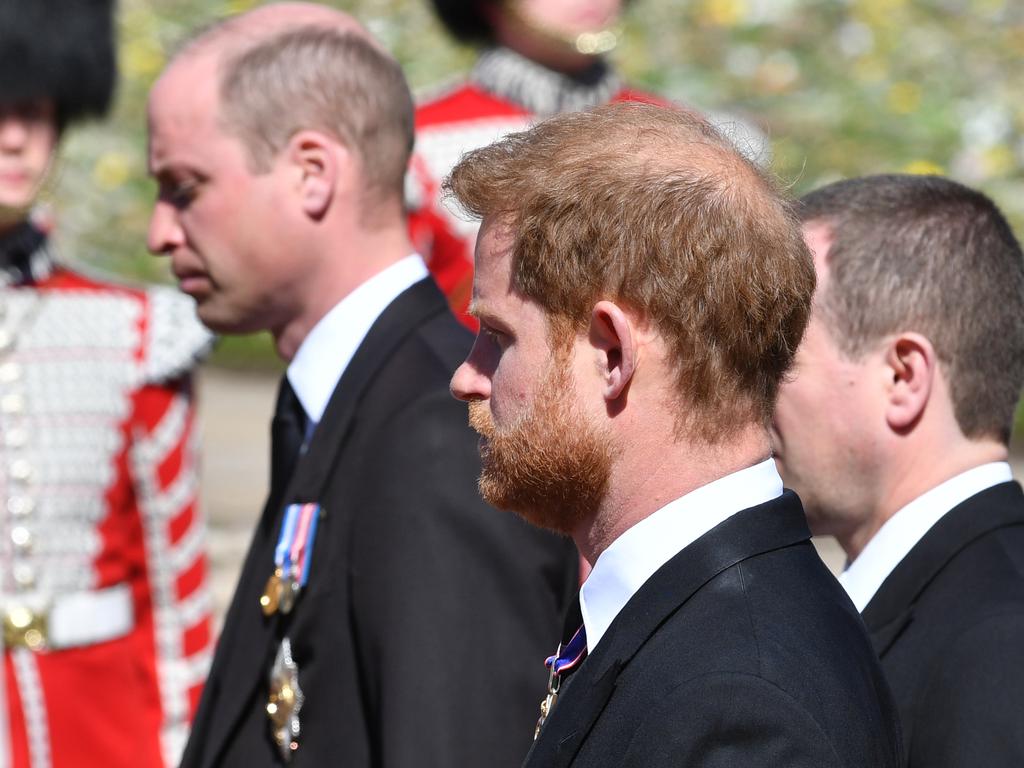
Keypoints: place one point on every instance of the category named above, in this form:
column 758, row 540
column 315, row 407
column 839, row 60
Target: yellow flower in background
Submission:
column 870, row 69
column 998, row 160
column 1015, row 39
column 141, row 58
column 723, row 13
column 880, row 13
column 778, row 72
column 904, row 97
column 239, row 6
column 924, row 168
column 111, row 170
column 989, row 6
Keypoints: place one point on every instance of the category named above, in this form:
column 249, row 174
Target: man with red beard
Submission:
column 641, row 288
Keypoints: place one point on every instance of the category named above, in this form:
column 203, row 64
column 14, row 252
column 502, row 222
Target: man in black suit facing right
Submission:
column 385, row 616
column 641, row 288
column 894, row 432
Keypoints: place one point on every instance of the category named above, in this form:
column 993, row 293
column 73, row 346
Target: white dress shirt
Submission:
column 864, row 576
column 634, row 557
column 327, row 350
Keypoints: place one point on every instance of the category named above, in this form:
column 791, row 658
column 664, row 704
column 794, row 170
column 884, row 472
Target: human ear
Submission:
column 912, row 364
column 612, row 334
column 315, row 158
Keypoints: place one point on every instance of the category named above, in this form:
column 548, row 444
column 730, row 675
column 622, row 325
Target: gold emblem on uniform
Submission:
column 271, row 596
column 548, row 703
column 284, row 701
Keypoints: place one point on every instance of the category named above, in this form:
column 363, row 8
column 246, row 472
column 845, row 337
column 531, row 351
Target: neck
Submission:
column 348, row 260
column 659, row 472
column 911, row 474
column 11, row 221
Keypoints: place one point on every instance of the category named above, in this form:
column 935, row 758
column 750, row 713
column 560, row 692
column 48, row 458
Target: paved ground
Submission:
column 235, row 413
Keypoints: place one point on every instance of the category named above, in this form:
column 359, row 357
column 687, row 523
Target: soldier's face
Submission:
column 571, row 17
column 28, row 138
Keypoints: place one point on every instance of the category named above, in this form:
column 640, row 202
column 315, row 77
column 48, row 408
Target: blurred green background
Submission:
column 840, row 87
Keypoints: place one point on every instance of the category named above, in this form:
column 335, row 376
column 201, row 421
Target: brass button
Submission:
column 20, row 506
column 15, row 437
column 21, row 537
column 25, row 628
column 13, row 403
column 10, row 372
column 25, row 575
column 21, row 470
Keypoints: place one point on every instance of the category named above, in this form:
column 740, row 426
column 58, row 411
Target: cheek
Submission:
column 44, row 143
column 509, row 390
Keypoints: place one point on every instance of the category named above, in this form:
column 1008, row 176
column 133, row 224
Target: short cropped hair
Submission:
column 311, row 77
column 652, row 208
column 926, row 254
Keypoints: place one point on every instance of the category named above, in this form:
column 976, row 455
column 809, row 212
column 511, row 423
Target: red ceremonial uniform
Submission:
column 103, row 577
column 505, row 92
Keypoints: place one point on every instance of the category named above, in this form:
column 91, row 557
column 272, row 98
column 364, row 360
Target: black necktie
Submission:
column 286, row 434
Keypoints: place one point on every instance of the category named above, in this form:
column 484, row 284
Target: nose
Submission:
column 165, row 232
column 13, row 132
column 469, row 382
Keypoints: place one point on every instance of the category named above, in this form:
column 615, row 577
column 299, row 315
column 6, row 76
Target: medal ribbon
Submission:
column 569, row 657
column 283, row 549
column 302, row 545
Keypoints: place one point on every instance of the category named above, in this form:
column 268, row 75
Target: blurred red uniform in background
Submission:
column 103, row 575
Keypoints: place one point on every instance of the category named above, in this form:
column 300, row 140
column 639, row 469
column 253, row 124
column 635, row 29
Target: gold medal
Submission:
column 554, row 683
column 289, row 591
column 545, row 711
column 271, row 597
column 284, row 701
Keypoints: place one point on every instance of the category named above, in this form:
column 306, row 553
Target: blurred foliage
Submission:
column 841, row 87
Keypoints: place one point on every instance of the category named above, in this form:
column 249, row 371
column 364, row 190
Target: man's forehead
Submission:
column 182, row 114
column 189, row 81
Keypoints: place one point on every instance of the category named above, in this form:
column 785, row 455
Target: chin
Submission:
column 225, row 323
column 13, row 211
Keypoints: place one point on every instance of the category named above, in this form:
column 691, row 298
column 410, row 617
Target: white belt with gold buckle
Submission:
column 68, row 621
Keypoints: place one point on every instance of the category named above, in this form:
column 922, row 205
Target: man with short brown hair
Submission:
column 894, row 432
column 640, row 289
column 382, row 617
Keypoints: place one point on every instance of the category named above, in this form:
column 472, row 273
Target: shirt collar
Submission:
column 887, row 548
column 327, row 350
column 633, row 558
column 25, row 258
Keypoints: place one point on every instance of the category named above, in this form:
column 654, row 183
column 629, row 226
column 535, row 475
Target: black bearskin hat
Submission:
column 466, row 20
column 60, row 49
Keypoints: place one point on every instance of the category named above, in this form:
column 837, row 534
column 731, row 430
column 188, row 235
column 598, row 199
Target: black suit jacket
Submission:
column 948, row 624
column 740, row 651
column 421, row 636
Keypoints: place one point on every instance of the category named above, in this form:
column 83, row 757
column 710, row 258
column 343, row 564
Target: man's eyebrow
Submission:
column 481, row 311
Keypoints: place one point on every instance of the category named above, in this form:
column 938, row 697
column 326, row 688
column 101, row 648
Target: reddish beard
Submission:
column 551, row 465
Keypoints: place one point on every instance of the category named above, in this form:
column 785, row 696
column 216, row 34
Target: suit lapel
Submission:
column 891, row 609
column 249, row 638
column 402, row 317
column 773, row 525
